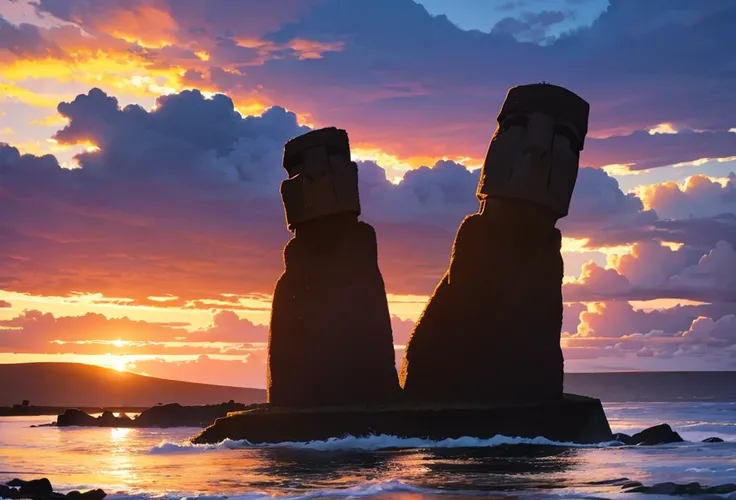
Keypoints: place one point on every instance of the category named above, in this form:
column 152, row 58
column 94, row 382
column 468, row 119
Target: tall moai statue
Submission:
column 491, row 330
column 330, row 339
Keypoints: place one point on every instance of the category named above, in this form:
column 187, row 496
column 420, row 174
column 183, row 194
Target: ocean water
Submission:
column 144, row 463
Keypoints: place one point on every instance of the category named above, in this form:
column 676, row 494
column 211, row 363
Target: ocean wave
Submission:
column 367, row 489
column 372, row 443
column 363, row 490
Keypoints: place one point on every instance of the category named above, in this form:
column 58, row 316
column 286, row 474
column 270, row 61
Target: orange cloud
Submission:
column 145, row 25
column 310, row 49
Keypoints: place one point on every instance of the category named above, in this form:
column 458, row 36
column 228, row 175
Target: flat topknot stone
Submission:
column 334, row 139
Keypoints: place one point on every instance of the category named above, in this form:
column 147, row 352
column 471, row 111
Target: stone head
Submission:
column 534, row 154
column 322, row 178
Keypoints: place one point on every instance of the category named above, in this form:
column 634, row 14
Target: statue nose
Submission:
column 535, row 152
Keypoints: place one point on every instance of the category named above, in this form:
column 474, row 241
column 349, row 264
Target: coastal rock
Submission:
column 36, row 488
column 176, row 415
column 108, row 419
column 41, row 489
column 622, row 438
column 73, row 417
column 7, row 492
column 96, row 494
column 330, row 338
column 658, row 434
column 170, row 415
column 571, row 419
column 694, row 488
column 491, row 330
column 631, row 484
column 712, row 440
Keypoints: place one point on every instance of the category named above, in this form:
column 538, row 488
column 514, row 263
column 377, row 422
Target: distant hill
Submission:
column 654, row 386
column 73, row 384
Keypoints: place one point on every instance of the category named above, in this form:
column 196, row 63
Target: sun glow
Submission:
column 119, row 363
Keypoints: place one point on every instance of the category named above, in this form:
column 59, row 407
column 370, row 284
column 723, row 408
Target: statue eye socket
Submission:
column 566, row 131
column 512, row 121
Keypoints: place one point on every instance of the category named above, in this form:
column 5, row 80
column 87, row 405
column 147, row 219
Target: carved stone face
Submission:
column 323, row 181
column 534, row 153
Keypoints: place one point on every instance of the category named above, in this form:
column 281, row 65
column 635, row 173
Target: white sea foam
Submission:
column 371, row 443
column 367, row 489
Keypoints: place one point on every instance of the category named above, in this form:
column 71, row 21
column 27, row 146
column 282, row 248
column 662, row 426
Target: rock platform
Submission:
column 572, row 418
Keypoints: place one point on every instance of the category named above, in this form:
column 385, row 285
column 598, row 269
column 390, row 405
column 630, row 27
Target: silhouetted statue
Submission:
column 491, row 330
column 330, row 340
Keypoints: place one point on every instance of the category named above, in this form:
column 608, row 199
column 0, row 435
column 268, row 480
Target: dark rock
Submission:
column 631, row 484
column 7, row 492
column 721, row 489
column 41, row 489
column 712, row 440
column 659, row 434
column 572, row 418
column 96, row 494
column 670, row 488
column 36, row 488
column 619, row 481
column 107, row 419
column 657, row 489
column 622, row 438
column 491, row 330
column 330, row 340
column 175, row 415
column 74, row 417
column 170, row 415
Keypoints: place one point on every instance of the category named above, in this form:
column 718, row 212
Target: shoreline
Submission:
column 39, row 411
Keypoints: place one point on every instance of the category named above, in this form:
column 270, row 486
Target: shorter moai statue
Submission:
column 330, row 339
column 491, row 330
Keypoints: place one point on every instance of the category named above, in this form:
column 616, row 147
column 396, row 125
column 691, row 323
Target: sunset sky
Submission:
column 140, row 157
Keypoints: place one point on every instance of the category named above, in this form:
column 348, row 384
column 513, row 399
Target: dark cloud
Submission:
column 599, row 204
column 530, row 26
column 644, row 151
column 422, row 86
column 188, row 194
column 26, row 40
column 699, row 232
column 5, row 304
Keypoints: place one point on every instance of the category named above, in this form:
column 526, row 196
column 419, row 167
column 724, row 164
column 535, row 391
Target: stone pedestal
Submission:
column 330, row 340
column 570, row 419
column 491, row 330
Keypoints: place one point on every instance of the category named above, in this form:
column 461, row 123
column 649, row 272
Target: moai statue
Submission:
column 330, row 339
column 491, row 330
